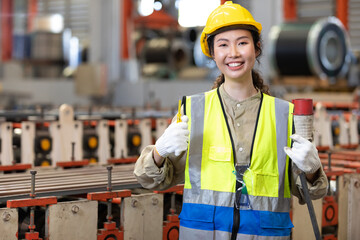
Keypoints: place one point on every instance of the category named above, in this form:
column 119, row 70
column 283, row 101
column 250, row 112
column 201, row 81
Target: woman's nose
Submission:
column 234, row 51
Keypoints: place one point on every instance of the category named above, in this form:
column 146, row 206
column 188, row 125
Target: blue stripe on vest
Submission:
column 210, row 218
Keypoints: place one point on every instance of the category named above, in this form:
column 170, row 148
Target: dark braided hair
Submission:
column 258, row 81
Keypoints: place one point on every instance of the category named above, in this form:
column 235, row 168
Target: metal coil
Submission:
column 321, row 48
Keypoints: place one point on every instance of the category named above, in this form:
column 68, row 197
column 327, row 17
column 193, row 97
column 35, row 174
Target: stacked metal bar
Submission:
column 64, row 182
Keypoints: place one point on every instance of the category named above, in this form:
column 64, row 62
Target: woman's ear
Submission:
column 257, row 49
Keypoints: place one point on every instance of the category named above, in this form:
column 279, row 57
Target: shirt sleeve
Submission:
column 150, row 176
column 317, row 189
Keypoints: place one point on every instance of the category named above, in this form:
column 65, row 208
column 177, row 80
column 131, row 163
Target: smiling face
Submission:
column 234, row 54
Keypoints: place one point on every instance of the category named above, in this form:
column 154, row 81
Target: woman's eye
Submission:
column 242, row 43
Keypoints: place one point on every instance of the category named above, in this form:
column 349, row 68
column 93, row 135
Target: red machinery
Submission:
column 32, row 202
column 171, row 225
column 110, row 231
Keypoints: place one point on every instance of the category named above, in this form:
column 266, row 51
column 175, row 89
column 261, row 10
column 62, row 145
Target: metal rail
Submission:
column 59, row 182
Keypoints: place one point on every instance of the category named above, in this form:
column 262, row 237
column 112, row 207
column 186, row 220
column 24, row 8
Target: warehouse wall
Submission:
column 155, row 92
column 44, row 91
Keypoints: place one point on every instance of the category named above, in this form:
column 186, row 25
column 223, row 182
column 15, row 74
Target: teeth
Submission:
column 234, row 64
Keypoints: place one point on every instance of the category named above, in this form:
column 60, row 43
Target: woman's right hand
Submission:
column 174, row 139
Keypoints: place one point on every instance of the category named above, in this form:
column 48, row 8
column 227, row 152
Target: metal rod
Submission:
column 310, row 206
column 172, row 206
column 109, row 168
column 72, row 151
column 32, row 208
column 32, row 219
column 329, row 162
column 109, row 188
column 109, row 210
column 32, row 193
column 61, row 186
column 51, row 181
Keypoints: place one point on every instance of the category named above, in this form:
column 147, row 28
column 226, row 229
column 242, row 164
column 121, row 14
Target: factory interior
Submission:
column 86, row 85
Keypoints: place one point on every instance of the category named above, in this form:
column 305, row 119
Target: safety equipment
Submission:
column 304, row 154
column 175, row 139
column 210, row 183
column 225, row 15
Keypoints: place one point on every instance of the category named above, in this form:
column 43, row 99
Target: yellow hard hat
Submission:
column 226, row 15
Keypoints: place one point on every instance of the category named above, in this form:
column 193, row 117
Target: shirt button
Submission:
column 241, row 149
column 238, row 105
column 238, row 124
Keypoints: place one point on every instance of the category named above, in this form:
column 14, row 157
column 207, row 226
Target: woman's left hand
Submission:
column 304, row 154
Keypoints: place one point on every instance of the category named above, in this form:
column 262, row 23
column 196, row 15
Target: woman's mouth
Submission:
column 235, row 65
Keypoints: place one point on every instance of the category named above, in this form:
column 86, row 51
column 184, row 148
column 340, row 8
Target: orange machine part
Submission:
column 290, row 10
column 6, row 29
column 101, row 196
column 329, row 237
column 177, row 189
column 122, row 160
column 110, row 232
column 70, row 164
column 32, row 236
column 171, row 227
column 15, row 167
column 342, row 7
column 32, row 11
column 29, row 202
column 330, row 212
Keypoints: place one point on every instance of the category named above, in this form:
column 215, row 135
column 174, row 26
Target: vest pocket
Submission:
column 217, row 170
column 221, row 154
column 197, row 216
column 275, row 220
column 275, row 223
column 266, row 184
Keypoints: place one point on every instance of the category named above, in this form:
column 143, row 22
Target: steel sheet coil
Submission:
column 320, row 48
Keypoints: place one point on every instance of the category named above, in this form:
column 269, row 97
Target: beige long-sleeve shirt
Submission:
column 241, row 116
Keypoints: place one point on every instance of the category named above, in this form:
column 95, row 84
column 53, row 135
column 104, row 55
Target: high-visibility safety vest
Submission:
column 210, row 182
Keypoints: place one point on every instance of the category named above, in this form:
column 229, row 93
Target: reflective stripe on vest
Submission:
column 189, row 234
column 209, row 189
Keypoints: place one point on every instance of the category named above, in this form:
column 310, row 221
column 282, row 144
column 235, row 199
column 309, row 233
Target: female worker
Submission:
column 230, row 147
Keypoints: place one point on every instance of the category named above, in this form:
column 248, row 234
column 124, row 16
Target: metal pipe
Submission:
column 32, row 209
column 109, row 188
column 69, row 180
column 72, row 151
